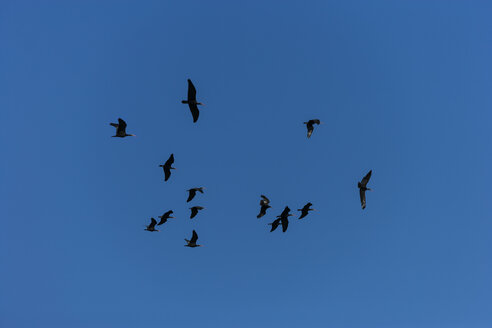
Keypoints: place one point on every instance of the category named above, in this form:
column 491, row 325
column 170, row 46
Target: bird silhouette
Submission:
column 192, row 241
column 192, row 193
column 168, row 167
column 362, row 189
column 121, row 129
column 191, row 101
column 310, row 126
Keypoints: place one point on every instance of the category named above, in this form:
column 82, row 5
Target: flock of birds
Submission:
column 282, row 219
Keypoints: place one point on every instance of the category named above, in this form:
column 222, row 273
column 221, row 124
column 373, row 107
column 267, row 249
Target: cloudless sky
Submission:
column 403, row 88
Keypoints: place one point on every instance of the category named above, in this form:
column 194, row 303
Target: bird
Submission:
column 283, row 219
column 310, row 126
column 167, row 167
column 121, row 129
column 151, row 226
column 362, row 189
column 192, row 241
column 305, row 210
column 165, row 216
column 194, row 211
column 191, row 101
column 192, row 193
column 265, row 204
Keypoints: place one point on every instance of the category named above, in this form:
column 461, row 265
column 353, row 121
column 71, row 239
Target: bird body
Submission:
column 310, row 126
column 191, row 101
column 167, row 167
column 121, row 129
column 305, row 210
column 192, row 241
column 192, row 193
column 194, row 211
column 362, row 185
column 151, row 226
column 165, row 216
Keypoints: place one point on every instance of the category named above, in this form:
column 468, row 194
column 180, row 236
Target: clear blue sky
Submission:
column 404, row 89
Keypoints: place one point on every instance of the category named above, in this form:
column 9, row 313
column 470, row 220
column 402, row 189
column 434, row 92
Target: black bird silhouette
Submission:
column 192, row 192
column 265, row 204
column 165, row 216
column 310, row 126
column 121, row 129
column 191, row 101
column 282, row 218
column 305, row 210
column 194, row 211
column 151, row 226
column 362, row 189
column 192, row 241
column 168, row 167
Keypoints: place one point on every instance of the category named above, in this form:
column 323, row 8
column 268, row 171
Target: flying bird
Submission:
column 265, row 204
column 121, row 129
column 168, row 167
column 362, row 189
column 283, row 219
column 310, row 126
column 165, row 216
column 192, row 241
column 192, row 193
column 305, row 210
column 151, row 226
column 194, row 211
column 191, row 101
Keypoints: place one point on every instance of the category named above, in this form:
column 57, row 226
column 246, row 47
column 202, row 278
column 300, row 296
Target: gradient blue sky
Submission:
column 404, row 89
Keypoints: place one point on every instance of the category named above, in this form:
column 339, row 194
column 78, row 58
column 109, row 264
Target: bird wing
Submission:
column 192, row 193
column 191, row 91
column 152, row 224
column 310, row 130
column 194, row 237
column 366, row 179
column 169, row 161
column 285, row 224
column 121, row 128
column 194, row 111
column 262, row 211
column 163, row 220
column 275, row 224
column 362, row 193
column 194, row 212
column 315, row 121
column 265, row 199
column 167, row 173
column 285, row 211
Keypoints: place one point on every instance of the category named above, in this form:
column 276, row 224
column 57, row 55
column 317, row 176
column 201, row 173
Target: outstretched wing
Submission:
column 191, row 91
column 362, row 193
column 169, row 161
column 194, row 237
column 366, row 179
column 275, row 224
column 167, row 173
column 285, row 224
column 315, row 121
column 310, row 130
column 265, row 200
column 194, row 111
column 285, row 212
column 262, row 211
column 121, row 128
column 192, row 193
column 194, row 212
column 152, row 224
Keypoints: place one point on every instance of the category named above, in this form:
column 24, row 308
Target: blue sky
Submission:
column 402, row 86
